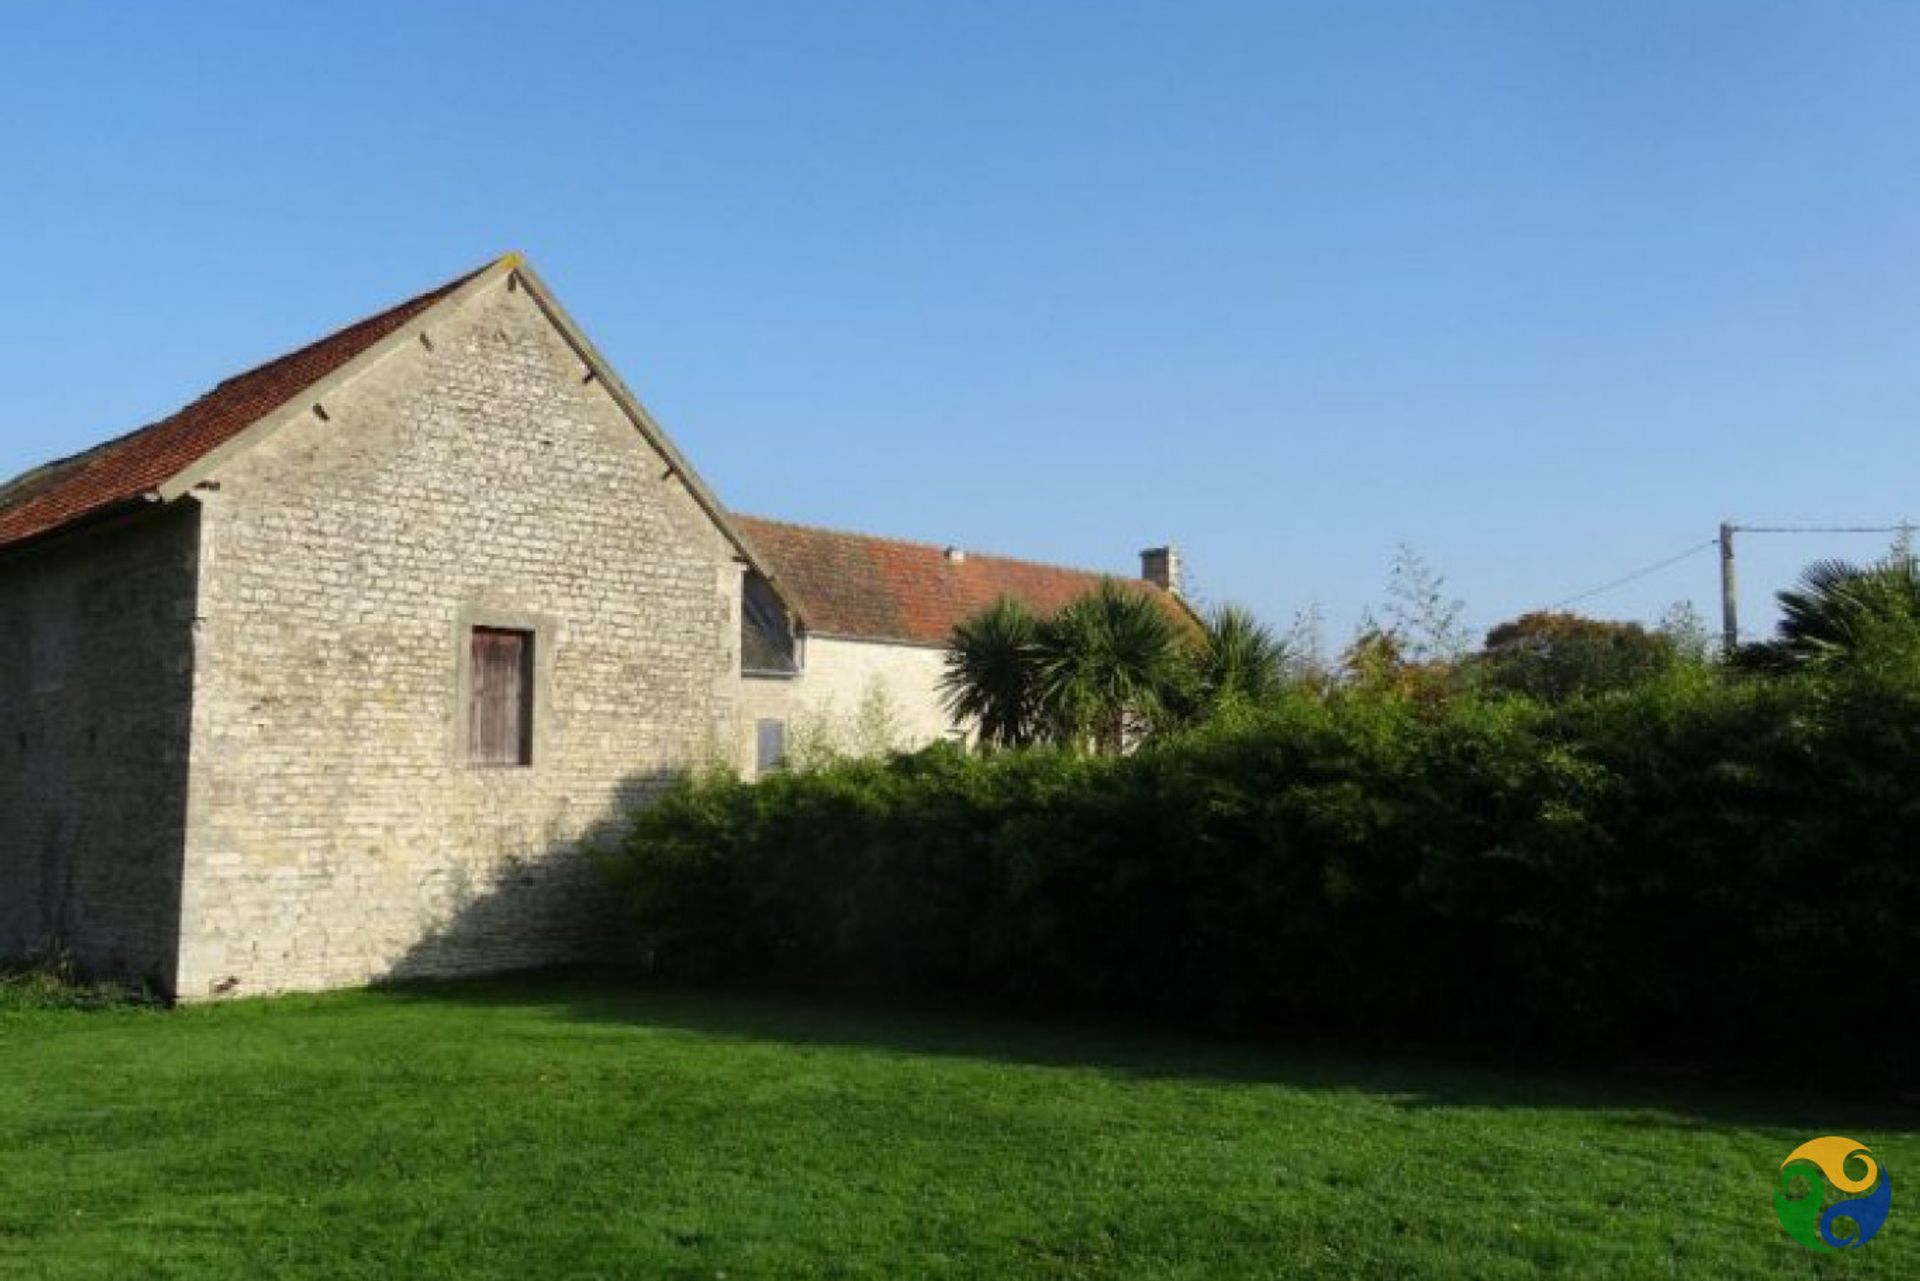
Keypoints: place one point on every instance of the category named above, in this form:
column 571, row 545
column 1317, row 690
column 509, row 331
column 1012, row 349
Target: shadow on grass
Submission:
column 552, row 905
column 1410, row 1077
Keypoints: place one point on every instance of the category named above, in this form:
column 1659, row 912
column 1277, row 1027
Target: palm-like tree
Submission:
column 1104, row 671
column 990, row 676
column 1104, row 667
column 1237, row 659
column 1837, row 605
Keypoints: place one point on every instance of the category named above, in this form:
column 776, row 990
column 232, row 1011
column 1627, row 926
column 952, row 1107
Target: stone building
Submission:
column 878, row 612
column 343, row 671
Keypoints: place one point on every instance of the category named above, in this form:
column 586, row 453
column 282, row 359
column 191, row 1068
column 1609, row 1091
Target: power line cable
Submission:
column 1638, row 574
column 1903, row 527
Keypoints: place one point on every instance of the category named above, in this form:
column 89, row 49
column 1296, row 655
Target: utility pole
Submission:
column 1729, row 594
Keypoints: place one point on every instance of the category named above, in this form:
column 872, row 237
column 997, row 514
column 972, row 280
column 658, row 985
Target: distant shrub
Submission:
column 1692, row 864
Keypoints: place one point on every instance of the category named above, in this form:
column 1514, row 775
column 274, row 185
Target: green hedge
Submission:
column 1698, row 864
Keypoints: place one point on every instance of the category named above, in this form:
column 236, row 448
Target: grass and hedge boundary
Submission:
column 1703, row 864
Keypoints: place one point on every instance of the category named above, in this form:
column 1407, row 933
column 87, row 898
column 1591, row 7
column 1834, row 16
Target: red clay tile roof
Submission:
column 867, row 588
column 125, row 471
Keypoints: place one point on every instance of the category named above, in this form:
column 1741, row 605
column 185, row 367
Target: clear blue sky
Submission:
column 1544, row 290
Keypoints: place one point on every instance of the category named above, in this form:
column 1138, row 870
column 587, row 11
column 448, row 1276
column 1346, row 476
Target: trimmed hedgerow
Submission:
column 1696, row 864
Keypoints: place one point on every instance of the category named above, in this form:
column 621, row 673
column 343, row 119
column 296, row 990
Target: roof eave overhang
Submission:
column 899, row 642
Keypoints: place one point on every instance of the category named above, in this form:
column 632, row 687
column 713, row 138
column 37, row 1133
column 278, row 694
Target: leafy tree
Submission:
column 1378, row 663
column 1305, row 642
column 1682, row 625
column 1555, row 656
column 992, row 665
column 1413, row 651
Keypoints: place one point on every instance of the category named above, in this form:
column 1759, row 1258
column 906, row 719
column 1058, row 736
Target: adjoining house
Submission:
column 343, row 671
column 878, row 614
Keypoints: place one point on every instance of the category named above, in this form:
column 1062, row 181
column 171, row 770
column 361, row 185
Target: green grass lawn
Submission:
column 572, row 1126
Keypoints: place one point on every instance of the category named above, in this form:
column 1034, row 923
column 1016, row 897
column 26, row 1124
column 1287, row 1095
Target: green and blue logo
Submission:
column 1822, row 1205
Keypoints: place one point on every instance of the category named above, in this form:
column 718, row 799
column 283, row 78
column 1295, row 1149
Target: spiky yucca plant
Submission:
column 1237, row 659
column 1104, row 667
column 990, row 677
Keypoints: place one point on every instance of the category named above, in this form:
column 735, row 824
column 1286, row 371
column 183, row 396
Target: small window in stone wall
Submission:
column 500, row 720
column 768, row 646
column 771, row 753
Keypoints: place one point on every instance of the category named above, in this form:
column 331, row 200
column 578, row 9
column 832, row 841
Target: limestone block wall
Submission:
column 96, row 663
column 337, row 831
column 846, row 687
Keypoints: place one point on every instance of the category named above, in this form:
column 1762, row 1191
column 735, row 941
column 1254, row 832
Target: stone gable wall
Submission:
column 337, row 833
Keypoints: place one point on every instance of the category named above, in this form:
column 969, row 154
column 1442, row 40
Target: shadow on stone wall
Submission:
column 96, row 699
column 547, row 906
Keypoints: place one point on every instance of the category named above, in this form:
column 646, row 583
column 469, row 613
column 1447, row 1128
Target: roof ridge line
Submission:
column 923, row 545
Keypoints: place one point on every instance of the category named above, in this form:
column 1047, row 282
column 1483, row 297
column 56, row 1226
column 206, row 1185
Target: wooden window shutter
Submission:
column 500, row 720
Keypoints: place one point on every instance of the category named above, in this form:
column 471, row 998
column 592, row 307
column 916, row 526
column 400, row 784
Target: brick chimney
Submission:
column 1161, row 567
